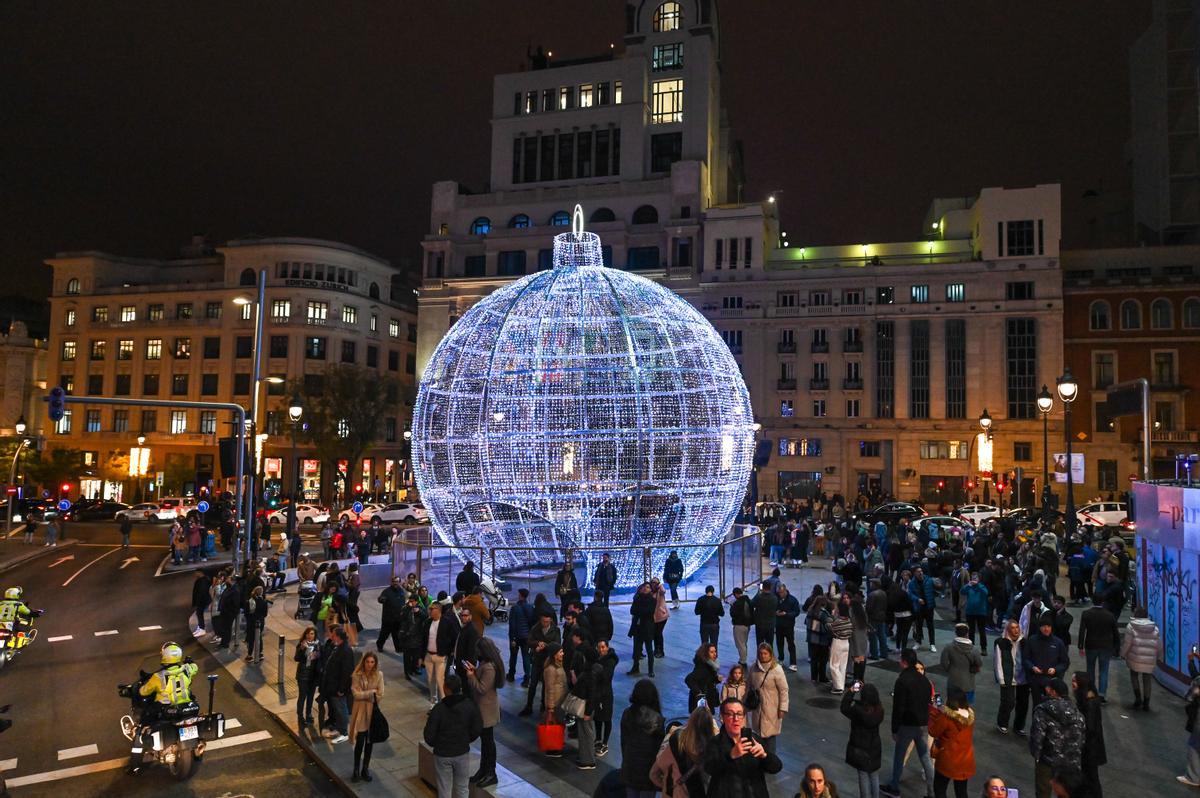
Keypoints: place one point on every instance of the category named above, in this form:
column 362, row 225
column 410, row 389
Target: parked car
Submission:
column 146, row 511
column 890, row 512
column 413, row 513
column 100, row 511
column 175, row 506
column 305, row 514
column 1103, row 513
column 945, row 524
column 368, row 511
column 977, row 513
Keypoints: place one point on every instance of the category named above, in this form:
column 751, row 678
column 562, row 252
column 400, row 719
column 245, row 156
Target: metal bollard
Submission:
column 234, row 628
column 280, row 677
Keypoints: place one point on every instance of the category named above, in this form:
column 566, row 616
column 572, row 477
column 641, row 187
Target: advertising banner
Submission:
column 1060, row 468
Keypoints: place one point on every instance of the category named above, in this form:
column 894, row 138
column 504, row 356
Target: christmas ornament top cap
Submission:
column 577, row 248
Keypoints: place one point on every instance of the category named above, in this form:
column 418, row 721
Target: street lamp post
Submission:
column 295, row 410
column 1045, row 403
column 259, row 302
column 1068, row 390
column 985, row 423
column 12, row 474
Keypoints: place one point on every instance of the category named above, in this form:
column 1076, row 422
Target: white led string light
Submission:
column 582, row 407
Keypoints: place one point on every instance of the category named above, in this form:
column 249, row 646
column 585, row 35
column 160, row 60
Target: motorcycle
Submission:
column 177, row 737
column 495, row 599
column 14, row 637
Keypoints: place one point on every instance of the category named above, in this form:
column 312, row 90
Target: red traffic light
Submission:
column 941, row 484
column 66, row 487
column 358, row 488
column 971, row 485
column 1000, row 486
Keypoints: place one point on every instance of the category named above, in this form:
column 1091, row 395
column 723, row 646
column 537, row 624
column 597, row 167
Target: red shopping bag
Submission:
column 551, row 735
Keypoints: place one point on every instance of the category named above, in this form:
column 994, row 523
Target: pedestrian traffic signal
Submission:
column 58, row 404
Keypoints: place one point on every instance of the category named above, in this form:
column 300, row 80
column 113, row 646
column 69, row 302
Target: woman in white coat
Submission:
column 1142, row 648
column 768, row 681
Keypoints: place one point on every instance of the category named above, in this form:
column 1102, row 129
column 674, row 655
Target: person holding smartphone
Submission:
column 864, row 750
column 736, row 759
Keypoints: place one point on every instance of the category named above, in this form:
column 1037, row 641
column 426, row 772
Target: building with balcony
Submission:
column 171, row 329
column 1130, row 314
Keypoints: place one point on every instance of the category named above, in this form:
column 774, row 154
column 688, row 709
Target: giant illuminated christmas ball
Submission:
column 582, row 408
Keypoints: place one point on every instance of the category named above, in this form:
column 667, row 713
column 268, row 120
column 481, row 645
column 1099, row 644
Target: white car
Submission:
column 172, row 507
column 146, row 511
column 945, row 524
column 402, row 512
column 977, row 513
column 1102, row 513
column 305, row 514
column 368, row 511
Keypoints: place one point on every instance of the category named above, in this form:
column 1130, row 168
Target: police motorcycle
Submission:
column 172, row 735
column 15, row 632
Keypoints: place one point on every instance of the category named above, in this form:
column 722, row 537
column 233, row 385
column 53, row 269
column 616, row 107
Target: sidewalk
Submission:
column 13, row 552
column 394, row 764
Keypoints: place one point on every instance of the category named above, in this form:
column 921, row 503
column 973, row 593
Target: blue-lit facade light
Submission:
column 582, row 407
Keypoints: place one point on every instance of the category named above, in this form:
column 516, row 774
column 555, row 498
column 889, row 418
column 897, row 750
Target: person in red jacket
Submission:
column 952, row 727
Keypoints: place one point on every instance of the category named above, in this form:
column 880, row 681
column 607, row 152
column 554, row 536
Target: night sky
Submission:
column 130, row 126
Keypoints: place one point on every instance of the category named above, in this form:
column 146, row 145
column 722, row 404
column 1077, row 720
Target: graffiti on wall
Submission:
column 1170, row 588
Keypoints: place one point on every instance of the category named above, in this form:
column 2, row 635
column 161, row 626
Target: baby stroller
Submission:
column 497, row 603
column 308, row 591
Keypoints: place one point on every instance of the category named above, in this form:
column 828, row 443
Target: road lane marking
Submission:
column 129, row 560
column 8, row 764
column 60, row 638
column 106, row 632
column 61, row 560
column 66, row 773
column 233, row 723
column 75, row 753
column 89, row 565
column 148, row 628
column 241, row 739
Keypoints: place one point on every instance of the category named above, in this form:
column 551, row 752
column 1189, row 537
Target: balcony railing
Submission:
column 818, row 385
column 852, row 385
column 852, row 346
column 819, row 346
column 787, row 385
column 786, row 347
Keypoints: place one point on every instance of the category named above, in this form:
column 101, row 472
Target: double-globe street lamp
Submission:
column 1045, row 403
column 295, row 411
column 1068, row 390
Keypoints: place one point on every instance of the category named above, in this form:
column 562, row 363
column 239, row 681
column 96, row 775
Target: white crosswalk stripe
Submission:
column 75, row 753
column 148, row 628
column 8, row 764
column 106, row 632
column 59, row 639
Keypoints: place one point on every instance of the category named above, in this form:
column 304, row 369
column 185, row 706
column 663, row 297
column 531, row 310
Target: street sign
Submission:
column 64, row 505
column 357, row 507
column 202, row 507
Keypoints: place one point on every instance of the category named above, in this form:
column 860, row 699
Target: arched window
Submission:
column 481, row 226
column 1160, row 314
column 1191, row 313
column 602, row 215
column 1131, row 315
column 247, row 277
column 1098, row 315
column 560, row 219
column 373, row 291
column 519, row 221
column 73, row 285
column 647, row 214
column 667, row 17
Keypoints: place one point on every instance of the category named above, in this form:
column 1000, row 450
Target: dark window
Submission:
column 279, row 346
column 244, row 346
column 616, row 151
column 314, row 348
column 646, row 214
column 123, row 385
column 372, row 356
column 918, row 405
column 546, row 144
column 665, row 149
column 241, row 384
column 529, row 160
column 95, row 384
column 602, row 215
column 474, row 265
column 606, row 254
column 209, row 384
column 314, row 384
column 67, row 383
column 516, row 159
column 149, row 385
column 1022, row 290
column 149, row 420
column 1106, row 474
column 869, row 449
column 412, row 333
column 519, row 222
column 348, row 353
column 277, row 387
column 179, row 384
column 643, row 258
column 666, row 57
column 212, row 348
column 393, row 360
column 373, row 291
column 389, row 430
column 1022, row 451
column 1021, row 358
column 410, row 364
column 120, row 421
column 511, row 263
column 566, row 156
column 602, row 159
column 1020, row 238
column 885, row 295
column 274, row 423
column 885, row 369
column 248, row 277
column 583, row 155
column 956, row 368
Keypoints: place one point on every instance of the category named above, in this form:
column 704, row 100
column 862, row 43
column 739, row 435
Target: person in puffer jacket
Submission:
column 1141, row 648
column 1056, row 737
column 961, row 662
column 1010, row 675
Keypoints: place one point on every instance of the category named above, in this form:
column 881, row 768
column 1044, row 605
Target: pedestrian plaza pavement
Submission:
column 1145, row 749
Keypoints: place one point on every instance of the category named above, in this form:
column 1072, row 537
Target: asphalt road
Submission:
column 106, row 615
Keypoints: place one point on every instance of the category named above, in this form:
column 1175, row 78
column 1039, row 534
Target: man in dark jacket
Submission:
column 467, row 580
column 541, row 637
column 1062, row 620
column 228, row 607
column 710, row 609
column 741, row 616
column 466, row 648
column 605, row 579
column 394, row 600
column 736, row 759
column 765, row 604
column 877, row 612
column 910, row 717
column 566, row 586
column 412, row 624
column 599, row 620
column 785, row 624
column 673, row 575
column 1056, row 737
column 201, row 598
column 642, row 609
column 920, row 590
column 1044, row 657
column 1099, row 642
column 453, row 724
column 520, row 623
column 335, row 684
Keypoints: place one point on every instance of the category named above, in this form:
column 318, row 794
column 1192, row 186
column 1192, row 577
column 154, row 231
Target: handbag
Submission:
column 551, row 736
column 573, row 705
column 379, row 730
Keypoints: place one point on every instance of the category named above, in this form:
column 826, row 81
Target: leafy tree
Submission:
column 53, row 467
column 344, row 411
column 177, row 471
column 114, row 466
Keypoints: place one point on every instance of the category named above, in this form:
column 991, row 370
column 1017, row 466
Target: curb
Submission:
column 41, row 551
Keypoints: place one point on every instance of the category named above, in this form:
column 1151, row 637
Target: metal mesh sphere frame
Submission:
column 582, row 407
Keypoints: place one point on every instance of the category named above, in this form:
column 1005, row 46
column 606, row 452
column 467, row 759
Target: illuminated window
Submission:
column 394, row 328
column 100, row 313
column 481, row 226
column 208, row 422
column 585, row 95
column 281, row 310
column 560, row 219
column 616, row 92
column 178, row 422
column 68, row 350
column 120, row 421
column 183, row 310
column 92, row 421
column 374, row 323
column 314, row 348
column 667, row 101
column 63, row 425
column 247, row 311
column 70, row 318
column 154, row 349
column 183, row 348
column 852, row 409
column 125, row 349
column 128, row 313
column 799, row 447
column 667, row 57
column 318, row 312
column 519, row 222
column 72, row 288
column 155, row 312
column 566, row 98
column 787, row 408
column 920, row 293
column 955, row 292
column 667, row 17
column 349, row 314
column 99, row 350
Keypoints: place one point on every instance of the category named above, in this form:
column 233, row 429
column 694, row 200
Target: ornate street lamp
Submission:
column 295, row 411
column 1045, row 403
column 1068, row 390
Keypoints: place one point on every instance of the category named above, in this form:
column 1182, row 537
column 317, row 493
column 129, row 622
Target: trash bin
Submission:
column 210, row 544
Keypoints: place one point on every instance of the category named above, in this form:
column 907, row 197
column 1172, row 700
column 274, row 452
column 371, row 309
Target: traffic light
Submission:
column 1000, row 487
column 66, row 487
column 970, row 484
column 941, row 484
column 58, row 404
